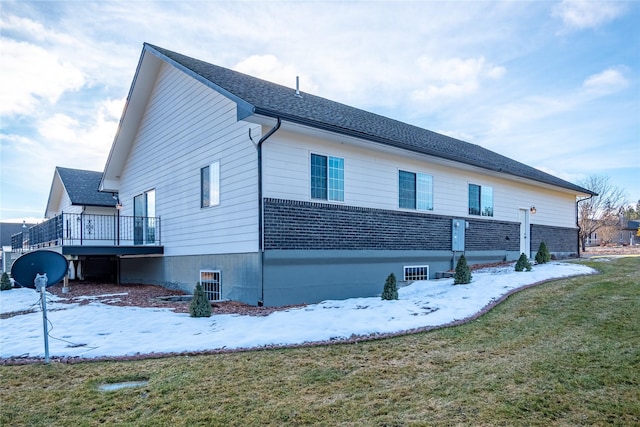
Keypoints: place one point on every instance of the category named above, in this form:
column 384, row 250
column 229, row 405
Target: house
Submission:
column 84, row 225
column 270, row 195
column 623, row 232
column 629, row 232
column 7, row 230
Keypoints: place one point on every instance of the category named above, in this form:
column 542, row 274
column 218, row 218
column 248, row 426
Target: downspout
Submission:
column 258, row 146
column 578, row 220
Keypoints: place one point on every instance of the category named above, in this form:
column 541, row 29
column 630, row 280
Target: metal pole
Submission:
column 45, row 326
column 41, row 285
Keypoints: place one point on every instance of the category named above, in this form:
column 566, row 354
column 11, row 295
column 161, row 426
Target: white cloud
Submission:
column 269, row 67
column 30, row 74
column 452, row 78
column 582, row 14
column 62, row 140
column 608, row 81
column 28, row 29
column 72, row 142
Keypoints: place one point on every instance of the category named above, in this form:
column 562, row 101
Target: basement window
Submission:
column 211, row 285
column 416, row 272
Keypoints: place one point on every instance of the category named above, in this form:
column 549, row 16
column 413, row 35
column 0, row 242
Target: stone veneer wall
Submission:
column 559, row 240
column 312, row 225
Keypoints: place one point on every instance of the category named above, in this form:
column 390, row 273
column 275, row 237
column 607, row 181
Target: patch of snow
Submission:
column 96, row 329
column 96, row 297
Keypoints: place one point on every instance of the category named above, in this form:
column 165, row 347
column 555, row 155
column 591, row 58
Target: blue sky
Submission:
column 555, row 85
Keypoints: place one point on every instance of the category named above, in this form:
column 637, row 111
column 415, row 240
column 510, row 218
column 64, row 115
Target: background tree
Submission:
column 632, row 213
column 600, row 211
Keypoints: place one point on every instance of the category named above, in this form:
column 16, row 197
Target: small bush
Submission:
column 5, row 283
column 200, row 305
column 523, row 263
column 543, row 255
column 463, row 272
column 390, row 291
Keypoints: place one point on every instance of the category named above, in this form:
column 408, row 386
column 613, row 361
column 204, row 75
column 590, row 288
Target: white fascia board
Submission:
column 141, row 87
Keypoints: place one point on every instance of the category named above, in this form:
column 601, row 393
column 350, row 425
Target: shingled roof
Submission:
column 82, row 187
column 257, row 96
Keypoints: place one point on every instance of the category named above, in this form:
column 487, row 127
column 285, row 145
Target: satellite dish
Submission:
column 25, row 268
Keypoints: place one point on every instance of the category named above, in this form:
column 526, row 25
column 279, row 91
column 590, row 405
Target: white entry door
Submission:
column 525, row 239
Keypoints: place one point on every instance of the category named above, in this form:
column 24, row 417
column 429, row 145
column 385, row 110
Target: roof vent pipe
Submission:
column 298, row 87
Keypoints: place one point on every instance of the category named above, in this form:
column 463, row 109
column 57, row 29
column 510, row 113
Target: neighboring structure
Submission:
column 272, row 196
column 75, row 191
column 8, row 229
column 85, row 225
column 623, row 233
column 630, row 233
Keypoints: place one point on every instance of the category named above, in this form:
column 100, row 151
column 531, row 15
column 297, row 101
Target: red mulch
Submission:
column 139, row 295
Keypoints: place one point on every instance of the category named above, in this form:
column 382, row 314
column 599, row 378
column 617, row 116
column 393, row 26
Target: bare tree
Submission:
column 602, row 211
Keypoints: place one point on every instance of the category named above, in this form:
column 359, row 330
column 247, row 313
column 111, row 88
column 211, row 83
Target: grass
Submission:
column 562, row 353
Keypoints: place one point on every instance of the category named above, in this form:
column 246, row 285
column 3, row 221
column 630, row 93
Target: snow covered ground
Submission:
column 97, row 329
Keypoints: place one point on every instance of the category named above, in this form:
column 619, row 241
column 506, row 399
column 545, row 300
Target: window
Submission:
column 211, row 285
column 327, row 178
column 416, row 272
column 144, row 221
column 210, row 185
column 480, row 200
column 415, row 191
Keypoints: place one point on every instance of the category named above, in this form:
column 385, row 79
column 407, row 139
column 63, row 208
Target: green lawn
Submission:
column 563, row 353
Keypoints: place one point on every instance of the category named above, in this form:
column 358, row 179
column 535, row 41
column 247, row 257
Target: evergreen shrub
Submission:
column 523, row 263
column 390, row 291
column 200, row 305
column 463, row 272
column 543, row 255
column 5, row 283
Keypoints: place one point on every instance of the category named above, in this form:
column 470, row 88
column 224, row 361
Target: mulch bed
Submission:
column 139, row 295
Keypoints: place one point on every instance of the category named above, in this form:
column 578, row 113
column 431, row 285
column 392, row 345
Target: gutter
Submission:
column 258, row 146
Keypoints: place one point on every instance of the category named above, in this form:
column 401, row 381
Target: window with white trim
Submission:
column 480, row 200
column 415, row 191
column 416, row 272
column 211, row 285
column 210, row 185
column 327, row 177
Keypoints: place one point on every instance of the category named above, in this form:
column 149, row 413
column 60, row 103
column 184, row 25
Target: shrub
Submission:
column 390, row 291
column 200, row 305
column 5, row 283
column 523, row 263
column 463, row 272
column 543, row 255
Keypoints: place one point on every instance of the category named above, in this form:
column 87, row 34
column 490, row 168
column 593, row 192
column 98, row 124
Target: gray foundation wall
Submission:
column 239, row 273
column 310, row 276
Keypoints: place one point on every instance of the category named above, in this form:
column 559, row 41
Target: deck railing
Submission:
column 89, row 230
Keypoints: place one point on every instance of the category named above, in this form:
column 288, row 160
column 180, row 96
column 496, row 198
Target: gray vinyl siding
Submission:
column 187, row 126
column 371, row 180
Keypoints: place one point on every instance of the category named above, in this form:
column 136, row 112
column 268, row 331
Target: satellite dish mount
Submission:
column 37, row 270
